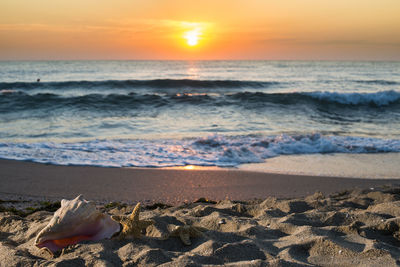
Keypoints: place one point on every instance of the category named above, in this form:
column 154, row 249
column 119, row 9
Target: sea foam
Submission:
column 215, row 150
column 382, row 98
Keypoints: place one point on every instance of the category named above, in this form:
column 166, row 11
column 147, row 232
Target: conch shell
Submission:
column 76, row 220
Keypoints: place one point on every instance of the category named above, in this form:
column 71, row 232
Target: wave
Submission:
column 11, row 101
column 215, row 150
column 378, row 82
column 382, row 98
column 21, row 101
column 158, row 83
column 378, row 99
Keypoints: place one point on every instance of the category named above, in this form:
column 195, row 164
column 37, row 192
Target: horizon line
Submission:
column 271, row 60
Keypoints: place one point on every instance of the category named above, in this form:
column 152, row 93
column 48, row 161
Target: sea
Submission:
column 225, row 114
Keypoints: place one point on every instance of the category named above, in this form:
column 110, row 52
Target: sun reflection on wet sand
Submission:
column 196, row 168
column 188, row 167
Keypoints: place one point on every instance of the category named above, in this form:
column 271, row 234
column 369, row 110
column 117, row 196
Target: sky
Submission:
column 199, row 30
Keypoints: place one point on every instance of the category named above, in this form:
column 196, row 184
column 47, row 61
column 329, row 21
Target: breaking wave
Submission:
column 11, row 100
column 215, row 150
column 382, row 98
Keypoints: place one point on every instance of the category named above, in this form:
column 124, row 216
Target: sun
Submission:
column 192, row 40
column 192, row 37
column 194, row 33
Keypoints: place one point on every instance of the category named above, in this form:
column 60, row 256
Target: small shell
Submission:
column 222, row 221
column 75, row 221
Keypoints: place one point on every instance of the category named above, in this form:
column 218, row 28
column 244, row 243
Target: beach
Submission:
column 174, row 133
column 246, row 218
column 262, row 163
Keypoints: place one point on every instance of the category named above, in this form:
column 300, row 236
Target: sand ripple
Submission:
column 351, row 228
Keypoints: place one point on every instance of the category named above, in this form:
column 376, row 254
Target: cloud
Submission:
column 329, row 42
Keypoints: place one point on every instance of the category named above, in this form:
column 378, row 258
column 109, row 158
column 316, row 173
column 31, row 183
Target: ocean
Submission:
column 203, row 113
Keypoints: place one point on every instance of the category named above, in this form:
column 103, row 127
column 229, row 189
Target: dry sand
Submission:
column 360, row 227
column 351, row 228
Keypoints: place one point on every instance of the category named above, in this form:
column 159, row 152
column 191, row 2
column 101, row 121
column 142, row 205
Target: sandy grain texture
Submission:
column 350, row 228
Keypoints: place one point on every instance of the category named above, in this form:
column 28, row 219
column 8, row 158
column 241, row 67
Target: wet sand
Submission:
column 372, row 165
column 34, row 180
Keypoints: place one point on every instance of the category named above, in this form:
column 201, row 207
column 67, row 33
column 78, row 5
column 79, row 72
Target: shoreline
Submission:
column 28, row 180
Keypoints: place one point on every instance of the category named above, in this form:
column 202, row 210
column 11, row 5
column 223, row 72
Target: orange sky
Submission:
column 234, row 29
